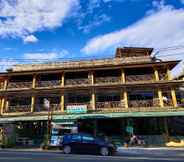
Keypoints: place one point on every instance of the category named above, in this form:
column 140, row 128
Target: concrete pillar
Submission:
column 160, row 98
column 32, row 103
column 62, row 102
column 173, row 95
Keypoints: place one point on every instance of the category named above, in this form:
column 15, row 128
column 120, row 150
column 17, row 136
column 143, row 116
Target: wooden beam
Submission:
column 62, row 102
column 160, row 98
column 168, row 74
column 32, row 103
column 173, row 95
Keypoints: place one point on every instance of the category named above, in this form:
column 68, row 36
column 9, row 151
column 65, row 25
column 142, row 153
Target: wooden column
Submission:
column 91, row 77
column 63, row 80
column 93, row 99
column 32, row 103
column 123, row 80
column 2, row 105
column 160, row 98
column 156, row 74
column 5, row 83
column 34, row 81
column 168, row 73
column 62, row 102
column 173, row 95
column 125, row 96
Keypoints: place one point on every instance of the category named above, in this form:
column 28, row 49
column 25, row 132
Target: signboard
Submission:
column 76, row 109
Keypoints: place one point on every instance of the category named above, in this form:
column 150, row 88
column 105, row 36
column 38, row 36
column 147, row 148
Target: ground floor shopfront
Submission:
column 154, row 130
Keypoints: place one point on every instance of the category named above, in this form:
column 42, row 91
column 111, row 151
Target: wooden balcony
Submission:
column 19, row 85
column 107, row 80
column 49, row 83
column 77, row 81
column 41, row 107
column 18, row 108
column 108, row 104
column 143, row 103
column 140, row 78
column 79, row 104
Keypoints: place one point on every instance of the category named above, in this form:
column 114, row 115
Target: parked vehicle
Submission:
column 85, row 143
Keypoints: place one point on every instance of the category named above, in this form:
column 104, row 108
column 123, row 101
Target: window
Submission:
column 76, row 138
column 88, row 138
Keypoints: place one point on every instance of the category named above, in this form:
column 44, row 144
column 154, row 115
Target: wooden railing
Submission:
column 53, row 107
column 49, row 83
column 109, row 104
column 18, row 108
column 139, row 78
column 143, row 103
column 77, row 81
column 17, row 85
column 107, row 80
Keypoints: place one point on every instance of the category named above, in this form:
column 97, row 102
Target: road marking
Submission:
column 14, row 158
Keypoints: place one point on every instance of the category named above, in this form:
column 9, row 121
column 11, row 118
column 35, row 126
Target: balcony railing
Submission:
column 107, row 80
column 53, row 107
column 139, row 78
column 77, row 81
column 49, row 83
column 18, row 108
column 109, row 104
column 17, row 85
column 143, row 103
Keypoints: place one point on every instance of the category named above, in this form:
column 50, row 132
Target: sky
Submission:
column 78, row 29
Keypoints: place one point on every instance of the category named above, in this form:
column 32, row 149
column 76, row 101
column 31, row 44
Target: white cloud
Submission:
column 30, row 39
column 162, row 28
column 97, row 21
column 6, row 64
column 20, row 18
column 45, row 56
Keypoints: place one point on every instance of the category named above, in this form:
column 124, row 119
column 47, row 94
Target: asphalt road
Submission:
column 150, row 156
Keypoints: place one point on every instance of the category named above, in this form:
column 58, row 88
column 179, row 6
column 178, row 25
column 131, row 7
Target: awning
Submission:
column 74, row 117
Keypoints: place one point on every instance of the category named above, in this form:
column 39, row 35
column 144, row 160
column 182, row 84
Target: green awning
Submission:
column 74, row 117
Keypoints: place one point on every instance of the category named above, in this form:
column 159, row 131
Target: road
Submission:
column 37, row 156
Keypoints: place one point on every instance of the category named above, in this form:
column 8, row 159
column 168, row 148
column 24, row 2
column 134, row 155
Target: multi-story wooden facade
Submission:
column 132, row 85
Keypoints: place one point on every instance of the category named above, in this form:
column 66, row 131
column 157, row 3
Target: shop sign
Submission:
column 76, row 109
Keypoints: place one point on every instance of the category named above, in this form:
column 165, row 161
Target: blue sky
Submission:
column 44, row 29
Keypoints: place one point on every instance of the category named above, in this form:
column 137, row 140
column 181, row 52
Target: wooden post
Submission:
column 168, row 74
column 125, row 96
column 173, row 95
column 93, row 99
column 123, row 80
column 2, row 105
column 32, row 103
column 34, row 81
column 5, row 83
column 156, row 74
column 63, row 79
column 62, row 102
column 160, row 98
column 92, row 77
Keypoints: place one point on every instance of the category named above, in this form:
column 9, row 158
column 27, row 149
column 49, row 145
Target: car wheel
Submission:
column 104, row 151
column 67, row 149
